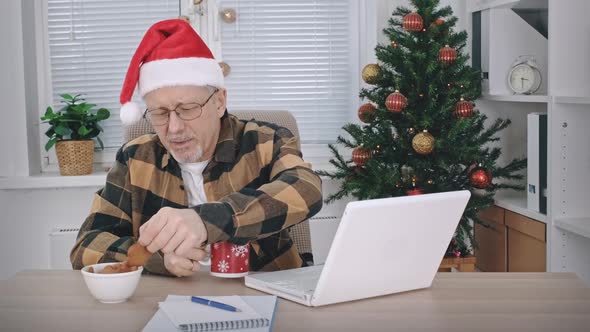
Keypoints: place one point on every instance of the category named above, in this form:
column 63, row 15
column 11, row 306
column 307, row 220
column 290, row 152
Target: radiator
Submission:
column 61, row 241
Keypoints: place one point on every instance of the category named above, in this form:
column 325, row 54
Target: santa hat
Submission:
column 170, row 54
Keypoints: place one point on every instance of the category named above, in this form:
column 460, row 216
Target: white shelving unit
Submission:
column 565, row 95
column 569, row 154
column 517, row 98
column 516, row 202
column 571, row 100
column 580, row 226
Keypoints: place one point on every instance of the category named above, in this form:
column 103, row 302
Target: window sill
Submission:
column 54, row 180
column 316, row 154
column 51, row 180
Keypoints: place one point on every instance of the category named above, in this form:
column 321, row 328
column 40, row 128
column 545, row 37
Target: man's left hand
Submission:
column 177, row 231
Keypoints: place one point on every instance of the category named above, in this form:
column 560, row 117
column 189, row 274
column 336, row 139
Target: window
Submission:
column 91, row 43
column 296, row 55
column 300, row 56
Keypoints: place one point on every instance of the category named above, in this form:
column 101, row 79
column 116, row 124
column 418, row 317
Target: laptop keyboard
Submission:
column 302, row 280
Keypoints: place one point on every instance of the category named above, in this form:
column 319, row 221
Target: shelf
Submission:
column 475, row 6
column 517, row 203
column 517, row 98
column 580, row 226
column 572, row 100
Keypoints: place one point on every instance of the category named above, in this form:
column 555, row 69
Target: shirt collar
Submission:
column 225, row 150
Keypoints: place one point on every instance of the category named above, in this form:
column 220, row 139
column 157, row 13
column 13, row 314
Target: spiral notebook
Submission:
column 179, row 313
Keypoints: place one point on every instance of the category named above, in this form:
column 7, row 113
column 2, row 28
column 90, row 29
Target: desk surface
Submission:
column 51, row 300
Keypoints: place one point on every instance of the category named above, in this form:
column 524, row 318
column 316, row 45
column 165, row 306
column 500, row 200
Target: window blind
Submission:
column 292, row 55
column 91, row 43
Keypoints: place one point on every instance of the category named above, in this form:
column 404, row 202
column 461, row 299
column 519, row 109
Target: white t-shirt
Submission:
column 192, row 175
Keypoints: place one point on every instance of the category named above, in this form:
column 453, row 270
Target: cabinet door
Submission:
column 527, row 250
column 491, row 254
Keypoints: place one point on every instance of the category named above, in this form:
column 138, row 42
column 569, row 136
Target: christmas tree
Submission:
column 420, row 132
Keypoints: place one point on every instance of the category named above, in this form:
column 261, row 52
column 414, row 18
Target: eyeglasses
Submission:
column 186, row 112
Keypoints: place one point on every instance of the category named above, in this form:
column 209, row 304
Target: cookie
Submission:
column 138, row 255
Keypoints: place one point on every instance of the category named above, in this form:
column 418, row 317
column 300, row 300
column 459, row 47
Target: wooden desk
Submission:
column 47, row 300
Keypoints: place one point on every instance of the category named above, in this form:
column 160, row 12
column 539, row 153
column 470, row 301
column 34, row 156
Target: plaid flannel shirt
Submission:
column 257, row 186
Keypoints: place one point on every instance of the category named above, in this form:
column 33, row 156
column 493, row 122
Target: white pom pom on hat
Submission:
column 171, row 53
column 130, row 113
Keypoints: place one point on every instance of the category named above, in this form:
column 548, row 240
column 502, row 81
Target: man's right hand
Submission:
column 181, row 266
column 174, row 231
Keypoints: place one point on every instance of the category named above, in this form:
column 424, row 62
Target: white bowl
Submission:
column 111, row 288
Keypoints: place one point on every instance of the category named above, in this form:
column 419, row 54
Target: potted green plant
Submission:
column 71, row 130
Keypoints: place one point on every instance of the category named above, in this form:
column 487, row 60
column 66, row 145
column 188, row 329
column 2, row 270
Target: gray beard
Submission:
column 189, row 157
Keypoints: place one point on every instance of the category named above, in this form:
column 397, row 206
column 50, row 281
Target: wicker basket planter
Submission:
column 75, row 157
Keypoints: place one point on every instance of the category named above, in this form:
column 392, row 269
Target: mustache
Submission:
column 178, row 138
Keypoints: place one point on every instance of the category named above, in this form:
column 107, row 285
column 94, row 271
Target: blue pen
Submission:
column 215, row 304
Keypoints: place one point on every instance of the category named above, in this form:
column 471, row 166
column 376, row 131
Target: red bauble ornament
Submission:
column 438, row 21
column 415, row 191
column 413, row 22
column 396, row 102
column 366, row 112
column 360, row 156
column 480, row 177
column 447, row 55
column 464, row 109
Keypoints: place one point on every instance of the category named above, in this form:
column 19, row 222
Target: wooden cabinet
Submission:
column 512, row 243
column 491, row 255
column 526, row 244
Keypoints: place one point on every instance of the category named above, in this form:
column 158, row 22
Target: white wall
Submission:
column 13, row 134
column 27, row 218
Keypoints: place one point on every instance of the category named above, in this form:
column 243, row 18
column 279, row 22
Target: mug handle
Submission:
column 207, row 261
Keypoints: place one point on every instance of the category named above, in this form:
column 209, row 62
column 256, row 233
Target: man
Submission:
column 204, row 177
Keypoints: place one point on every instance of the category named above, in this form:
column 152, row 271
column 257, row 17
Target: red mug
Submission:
column 229, row 260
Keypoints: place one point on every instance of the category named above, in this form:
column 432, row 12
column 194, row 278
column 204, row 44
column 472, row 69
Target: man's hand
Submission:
column 180, row 266
column 180, row 232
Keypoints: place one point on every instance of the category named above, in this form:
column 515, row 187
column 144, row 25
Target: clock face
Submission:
column 522, row 79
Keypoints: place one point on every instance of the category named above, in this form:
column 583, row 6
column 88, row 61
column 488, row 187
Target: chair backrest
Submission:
column 300, row 233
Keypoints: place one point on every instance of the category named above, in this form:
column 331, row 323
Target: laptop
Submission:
column 382, row 246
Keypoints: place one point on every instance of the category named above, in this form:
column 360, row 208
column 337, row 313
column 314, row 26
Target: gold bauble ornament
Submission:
column 371, row 73
column 423, row 143
column 228, row 15
column 225, row 68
